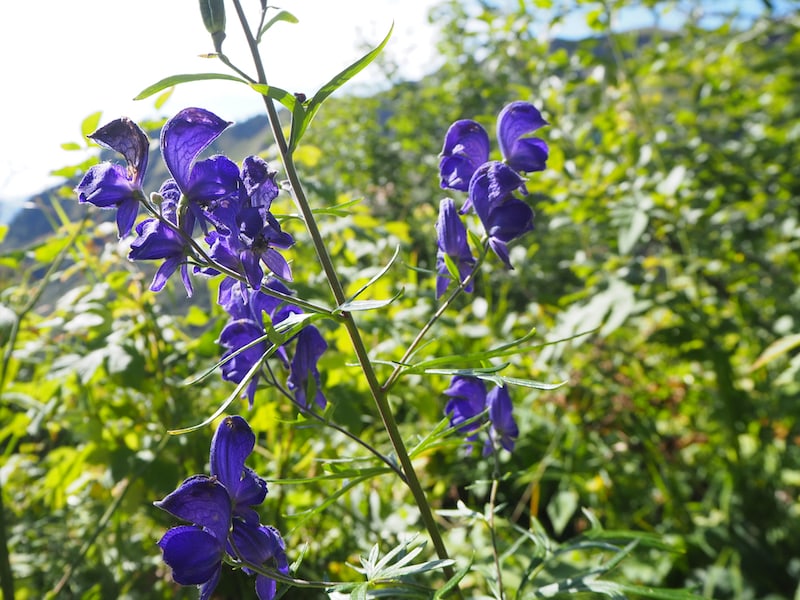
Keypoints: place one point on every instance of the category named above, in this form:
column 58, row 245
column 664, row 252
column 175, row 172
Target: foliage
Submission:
column 665, row 250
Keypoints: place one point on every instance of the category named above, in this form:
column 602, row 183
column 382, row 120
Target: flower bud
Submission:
column 213, row 12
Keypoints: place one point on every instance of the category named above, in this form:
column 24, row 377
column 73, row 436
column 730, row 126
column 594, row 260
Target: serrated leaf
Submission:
column 90, row 123
column 299, row 128
column 174, row 80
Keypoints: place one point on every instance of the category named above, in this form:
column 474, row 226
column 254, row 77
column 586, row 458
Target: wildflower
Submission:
column 211, row 187
column 109, row 185
column 157, row 240
column 224, row 521
column 310, row 347
column 469, row 400
column 466, row 147
column 452, row 242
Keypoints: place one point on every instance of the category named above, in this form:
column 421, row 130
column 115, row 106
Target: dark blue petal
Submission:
column 201, row 500
column 184, row 137
column 207, row 589
column 277, row 264
column 259, row 182
column 310, row 347
column 510, row 220
column 261, row 545
column 156, row 240
column 163, row 273
column 504, row 427
column 232, row 444
column 194, row 555
column 127, row 138
column 466, row 147
column 468, row 401
column 491, row 185
column 452, row 241
column 516, row 120
column 106, row 185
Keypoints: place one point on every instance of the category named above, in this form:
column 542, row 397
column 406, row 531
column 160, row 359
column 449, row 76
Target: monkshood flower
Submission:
column 468, row 400
column 452, row 242
column 504, row 216
column 156, row 240
column 309, row 349
column 211, row 187
column 466, row 145
column 247, row 310
column 109, row 185
column 255, row 241
column 224, row 521
column 259, row 182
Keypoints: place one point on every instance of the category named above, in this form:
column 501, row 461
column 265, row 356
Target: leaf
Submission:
column 776, row 349
column 453, row 581
column 173, row 80
column 299, row 129
column 287, row 99
column 283, row 15
column 376, row 277
column 162, row 98
column 361, row 305
column 69, row 146
column 90, row 123
column 630, row 232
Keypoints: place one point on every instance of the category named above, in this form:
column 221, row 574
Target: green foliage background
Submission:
column 667, row 233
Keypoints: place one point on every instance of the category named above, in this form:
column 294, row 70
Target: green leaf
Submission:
column 360, row 305
column 173, row 80
column 283, row 15
column 162, row 98
column 376, row 277
column 776, row 349
column 299, row 129
column 287, row 99
column 90, row 123
column 69, row 146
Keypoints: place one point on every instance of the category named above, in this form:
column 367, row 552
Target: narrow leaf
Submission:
column 330, row 87
column 287, row 99
column 376, row 277
column 177, row 79
column 776, row 349
column 283, row 15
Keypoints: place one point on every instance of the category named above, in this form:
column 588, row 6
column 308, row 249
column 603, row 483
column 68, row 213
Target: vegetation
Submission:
column 665, row 252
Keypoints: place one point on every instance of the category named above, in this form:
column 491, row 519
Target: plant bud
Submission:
column 213, row 12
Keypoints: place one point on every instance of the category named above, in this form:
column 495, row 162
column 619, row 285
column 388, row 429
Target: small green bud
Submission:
column 213, row 12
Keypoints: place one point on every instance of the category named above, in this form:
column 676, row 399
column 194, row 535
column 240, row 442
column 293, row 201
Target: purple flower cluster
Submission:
column 469, row 400
column 220, row 508
column 491, row 185
column 231, row 208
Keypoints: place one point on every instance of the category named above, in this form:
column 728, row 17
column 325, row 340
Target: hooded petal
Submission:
column 504, row 428
column 232, row 444
column 466, row 147
column 468, row 401
column 201, row 500
column 492, row 185
column 259, row 182
column 310, row 347
column 184, row 137
column 194, row 555
column 521, row 154
column 127, row 138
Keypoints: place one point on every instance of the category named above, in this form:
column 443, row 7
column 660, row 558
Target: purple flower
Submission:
column 504, row 216
column 526, row 154
column 466, row 147
column 468, row 400
column 220, row 507
column 212, row 187
column 303, row 371
column 157, row 240
column 259, row 182
column 452, row 242
column 109, row 185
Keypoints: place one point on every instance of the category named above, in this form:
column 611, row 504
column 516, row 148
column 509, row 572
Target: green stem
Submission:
column 6, row 576
column 378, row 394
column 395, row 374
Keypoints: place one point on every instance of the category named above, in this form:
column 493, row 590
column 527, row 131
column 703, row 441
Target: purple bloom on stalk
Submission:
column 220, row 508
column 452, row 242
column 259, row 182
column 504, row 216
column 310, row 347
column 526, row 154
column 211, row 186
column 466, row 147
column 468, row 400
column 157, row 240
column 109, row 185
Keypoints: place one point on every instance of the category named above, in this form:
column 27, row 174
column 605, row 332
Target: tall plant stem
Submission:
column 378, row 394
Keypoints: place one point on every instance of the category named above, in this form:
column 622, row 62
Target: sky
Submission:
column 62, row 60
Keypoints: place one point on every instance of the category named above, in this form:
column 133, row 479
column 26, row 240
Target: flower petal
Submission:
column 232, row 444
column 127, row 138
column 194, row 555
column 515, row 120
column 466, row 147
column 310, row 347
column 504, row 427
column 259, row 182
column 201, row 500
column 184, row 137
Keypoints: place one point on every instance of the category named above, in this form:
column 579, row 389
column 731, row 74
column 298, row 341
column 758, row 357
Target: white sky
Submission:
column 61, row 60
